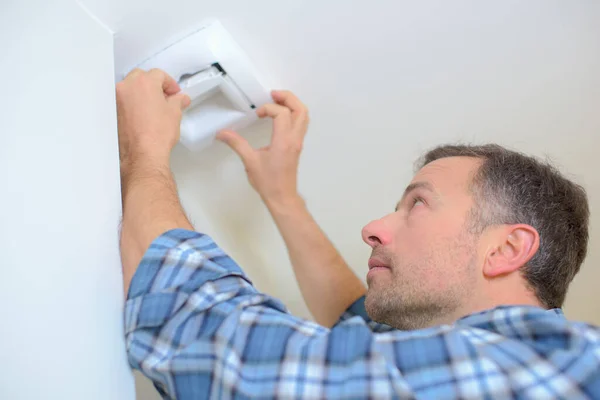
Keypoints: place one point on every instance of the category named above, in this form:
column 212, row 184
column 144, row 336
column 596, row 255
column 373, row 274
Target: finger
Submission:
column 180, row 100
column 169, row 85
column 282, row 122
column 289, row 100
column 272, row 110
column 282, row 116
column 237, row 144
column 133, row 73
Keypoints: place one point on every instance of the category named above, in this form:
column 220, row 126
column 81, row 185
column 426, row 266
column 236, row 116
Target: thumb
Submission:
column 179, row 100
column 237, row 144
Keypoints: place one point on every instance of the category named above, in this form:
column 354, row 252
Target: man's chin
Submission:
column 375, row 297
column 375, row 282
column 373, row 307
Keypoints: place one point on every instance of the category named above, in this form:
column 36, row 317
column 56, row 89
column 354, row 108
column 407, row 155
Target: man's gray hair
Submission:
column 513, row 188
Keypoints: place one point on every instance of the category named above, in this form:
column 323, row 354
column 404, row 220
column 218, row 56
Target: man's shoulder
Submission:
column 504, row 338
column 507, row 318
column 519, row 328
column 528, row 326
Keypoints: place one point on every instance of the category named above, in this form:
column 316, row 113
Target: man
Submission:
column 466, row 279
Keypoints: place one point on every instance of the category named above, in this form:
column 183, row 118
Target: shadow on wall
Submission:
column 144, row 388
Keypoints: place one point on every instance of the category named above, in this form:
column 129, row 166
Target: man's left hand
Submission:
column 149, row 109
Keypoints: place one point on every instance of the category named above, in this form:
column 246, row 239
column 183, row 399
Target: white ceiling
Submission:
column 385, row 81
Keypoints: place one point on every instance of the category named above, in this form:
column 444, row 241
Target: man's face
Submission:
column 423, row 265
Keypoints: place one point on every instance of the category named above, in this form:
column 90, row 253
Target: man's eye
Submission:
column 417, row 201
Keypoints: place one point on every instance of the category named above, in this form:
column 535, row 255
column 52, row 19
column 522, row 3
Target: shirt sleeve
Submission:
column 196, row 326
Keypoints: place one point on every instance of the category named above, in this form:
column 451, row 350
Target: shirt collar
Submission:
column 484, row 319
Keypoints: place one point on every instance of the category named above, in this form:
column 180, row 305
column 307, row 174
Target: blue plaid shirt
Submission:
column 197, row 327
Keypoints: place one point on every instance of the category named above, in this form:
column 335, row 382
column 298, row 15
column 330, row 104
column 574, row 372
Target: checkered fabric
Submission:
column 198, row 329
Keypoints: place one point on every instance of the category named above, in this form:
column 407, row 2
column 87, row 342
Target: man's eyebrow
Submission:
column 415, row 186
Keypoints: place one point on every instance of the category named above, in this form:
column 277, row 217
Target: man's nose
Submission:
column 376, row 233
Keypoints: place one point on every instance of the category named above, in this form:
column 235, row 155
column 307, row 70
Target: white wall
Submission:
column 61, row 334
column 385, row 81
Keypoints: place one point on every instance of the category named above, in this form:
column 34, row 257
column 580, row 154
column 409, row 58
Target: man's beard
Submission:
column 404, row 309
column 412, row 305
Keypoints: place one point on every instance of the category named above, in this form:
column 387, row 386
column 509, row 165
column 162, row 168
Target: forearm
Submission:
column 150, row 207
column 327, row 284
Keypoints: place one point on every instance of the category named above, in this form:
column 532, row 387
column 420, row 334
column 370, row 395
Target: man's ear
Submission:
column 515, row 246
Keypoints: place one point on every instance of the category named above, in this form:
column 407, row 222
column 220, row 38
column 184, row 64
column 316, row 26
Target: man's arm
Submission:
column 149, row 114
column 327, row 284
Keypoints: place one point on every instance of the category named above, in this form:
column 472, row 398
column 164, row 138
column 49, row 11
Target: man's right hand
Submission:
column 327, row 284
column 273, row 170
